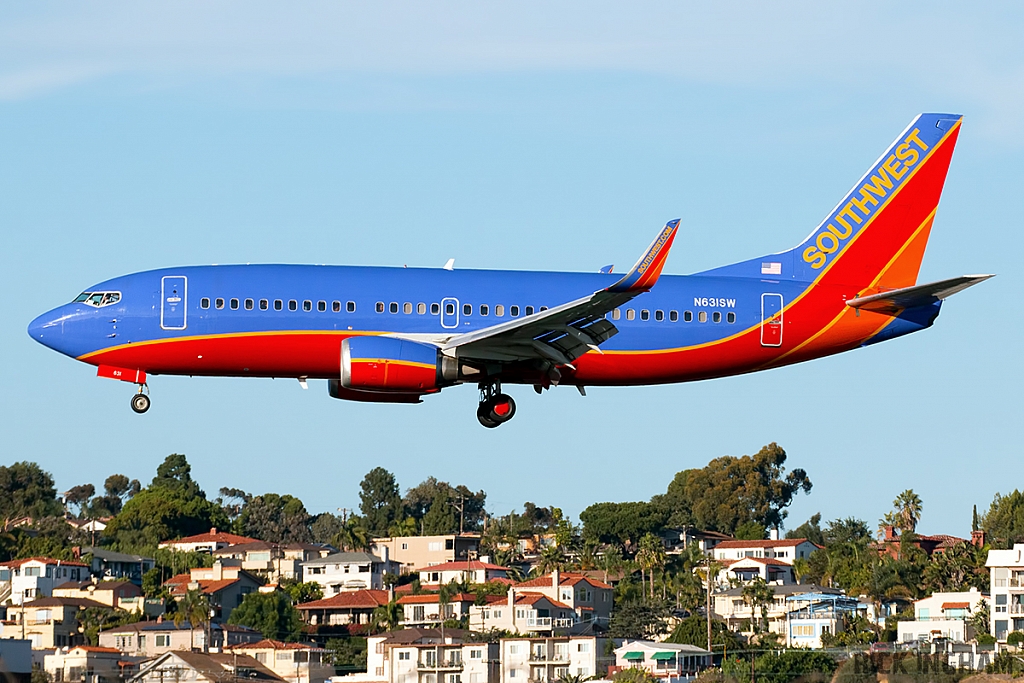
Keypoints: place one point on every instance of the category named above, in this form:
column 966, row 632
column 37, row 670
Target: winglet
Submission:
column 647, row 270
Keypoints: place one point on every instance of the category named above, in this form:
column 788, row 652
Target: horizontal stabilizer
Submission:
column 896, row 300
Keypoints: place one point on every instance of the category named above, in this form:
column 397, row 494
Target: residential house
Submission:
column 350, row 607
column 16, row 661
column 225, row 586
column 730, row 606
column 891, row 541
column 942, row 615
column 553, row 658
column 108, row 564
column 153, row 638
column 209, row 542
column 589, row 598
column 769, row 569
column 410, row 553
column 783, row 549
column 811, row 616
column 294, row 662
column 113, row 594
column 465, row 571
column 523, row 612
column 661, row 660
column 677, row 540
column 196, row 667
column 35, row 577
column 1006, row 573
column 418, row 655
column 274, row 561
column 48, row 622
column 425, row 609
column 347, row 572
column 88, row 664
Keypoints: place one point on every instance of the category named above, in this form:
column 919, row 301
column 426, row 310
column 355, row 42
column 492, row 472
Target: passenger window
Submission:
column 543, row 308
column 529, row 310
column 407, row 308
column 730, row 317
column 393, row 307
column 449, row 309
column 645, row 314
column 616, row 314
column 421, row 308
column 234, row 304
column 336, row 306
column 264, row 304
column 204, row 302
column 687, row 316
column 484, row 310
column 350, row 307
column 307, row 305
column 702, row 317
column 293, row 305
column 499, row 310
column 435, row 309
column 220, row 303
column 249, row 304
column 716, row 317
column 659, row 315
column 379, row 307
column 513, row 311
column 673, row 316
column 467, row 309
column 321, row 306
column 278, row 304
column 630, row 314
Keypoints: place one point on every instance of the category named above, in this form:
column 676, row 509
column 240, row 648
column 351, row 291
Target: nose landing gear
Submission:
column 495, row 407
column 140, row 401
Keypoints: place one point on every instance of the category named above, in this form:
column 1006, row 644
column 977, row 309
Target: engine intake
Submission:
column 388, row 365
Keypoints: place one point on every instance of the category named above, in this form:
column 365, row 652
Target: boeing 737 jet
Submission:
column 394, row 335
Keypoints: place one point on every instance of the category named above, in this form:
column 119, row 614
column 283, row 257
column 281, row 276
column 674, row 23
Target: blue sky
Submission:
column 528, row 136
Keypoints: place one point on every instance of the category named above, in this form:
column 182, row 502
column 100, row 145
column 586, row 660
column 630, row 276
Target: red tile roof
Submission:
column 432, row 598
column 565, row 579
column 14, row 564
column 216, row 537
column 781, row 543
column 463, row 566
column 362, row 599
column 268, row 644
column 178, row 585
column 533, row 598
column 94, row 648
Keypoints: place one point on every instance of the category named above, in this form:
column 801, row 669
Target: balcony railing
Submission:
column 538, row 622
column 1017, row 582
column 1016, row 608
column 557, row 658
column 450, row 665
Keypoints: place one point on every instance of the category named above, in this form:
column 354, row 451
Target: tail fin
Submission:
column 876, row 236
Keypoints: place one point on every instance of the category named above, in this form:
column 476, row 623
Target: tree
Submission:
column 379, row 501
column 193, row 607
column 1004, row 521
column 440, row 518
column 621, row 523
column 634, row 674
column 639, row 621
column 324, row 527
column 759, row 595
column 388, row 617
column 352, row 536
column 233, row 501
column 693, row 631
column 304, row 592
column 730, row 491
column 79, row 497
column 811, row 530
column 907, row 509
column 276, row 518
column 272, row 614
column 981, row 618
column 175, row 474
column 157, row 515
column 26, row 491
column 419, row 500
column 650, row 556
column 349, row 654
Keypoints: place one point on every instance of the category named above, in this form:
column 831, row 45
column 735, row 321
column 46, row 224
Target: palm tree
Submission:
column 551, row 558
column 907, row 507
column 387, row 617
column 610, row 560
column 650, row 556
column 758, row 593
column 193, row 607
column 352, row 537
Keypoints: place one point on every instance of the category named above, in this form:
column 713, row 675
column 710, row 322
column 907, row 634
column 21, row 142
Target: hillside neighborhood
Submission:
column 148, row 583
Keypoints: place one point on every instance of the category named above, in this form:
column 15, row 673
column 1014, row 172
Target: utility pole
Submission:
column 707, row 608
column 461, row 507
column 344, row 514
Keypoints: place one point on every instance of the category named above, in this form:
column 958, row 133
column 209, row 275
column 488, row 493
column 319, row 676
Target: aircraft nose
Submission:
column 46, row 329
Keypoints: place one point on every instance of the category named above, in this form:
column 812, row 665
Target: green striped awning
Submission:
column 634, row 656
column 663, row 655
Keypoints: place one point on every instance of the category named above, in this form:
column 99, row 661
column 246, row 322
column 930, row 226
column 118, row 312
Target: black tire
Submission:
column 501, row 408
column 483, row 415
column 140, row 403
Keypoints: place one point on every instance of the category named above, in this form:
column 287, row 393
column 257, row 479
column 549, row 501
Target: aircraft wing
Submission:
column 562, row 334
column 896, row 300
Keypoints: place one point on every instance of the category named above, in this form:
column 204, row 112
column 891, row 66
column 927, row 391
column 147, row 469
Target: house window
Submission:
column 403, row 656
column 141, row 642
column 476, row 654
column 163, row 640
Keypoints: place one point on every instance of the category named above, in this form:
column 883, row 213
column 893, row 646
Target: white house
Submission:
column 813, row 615
column 417, row 655
column 1006, row 568
column 522, row 612
column 294, row 662
column 662, row 660
column 749, row 568
column 425, row 609
column 209, row 542
column 35, row 577
column 942, row 615
column 347, row 572
column 470, row 571
column 549, row 659
column 784, row 549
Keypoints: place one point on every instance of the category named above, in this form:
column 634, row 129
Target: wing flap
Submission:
column 896, row 300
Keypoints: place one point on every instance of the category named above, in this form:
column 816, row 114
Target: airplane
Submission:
column 395, row 335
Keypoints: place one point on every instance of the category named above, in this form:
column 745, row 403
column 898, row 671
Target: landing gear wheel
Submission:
column 140, row 403
column 502, row 408
column 483, row 415
column 495, row 407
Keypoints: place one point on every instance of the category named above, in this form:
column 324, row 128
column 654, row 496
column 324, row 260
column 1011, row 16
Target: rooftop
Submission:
column 462, row 566
column 344, row 558
column 564, row 579
column 766, row 543
column 361, row 599
column 212, row 536
column 14, row 564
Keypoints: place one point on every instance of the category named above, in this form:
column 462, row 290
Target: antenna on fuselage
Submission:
column 450, row 265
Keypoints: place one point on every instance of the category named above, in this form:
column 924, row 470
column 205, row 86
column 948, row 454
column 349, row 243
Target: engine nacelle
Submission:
column 388, row 365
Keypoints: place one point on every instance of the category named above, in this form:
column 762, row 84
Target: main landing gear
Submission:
column 495, row 407
column 140, row 401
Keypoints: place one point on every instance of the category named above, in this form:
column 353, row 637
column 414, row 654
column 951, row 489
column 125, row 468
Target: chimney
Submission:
column 773, row 534
column 213, row 530
column 556, row 578
column 890, row 532
column 76, row 552
column 160, row 619
column 511, row 597
column 978, row 538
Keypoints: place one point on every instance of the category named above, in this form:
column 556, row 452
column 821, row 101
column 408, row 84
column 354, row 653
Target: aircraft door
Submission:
column 449, row 313
column 173, row 302
column 771, row 320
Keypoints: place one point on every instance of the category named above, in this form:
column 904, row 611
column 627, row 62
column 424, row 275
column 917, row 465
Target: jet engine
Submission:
column 388, row 365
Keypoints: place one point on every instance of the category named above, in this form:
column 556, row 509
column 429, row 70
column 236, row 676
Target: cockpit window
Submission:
column 98, row 299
